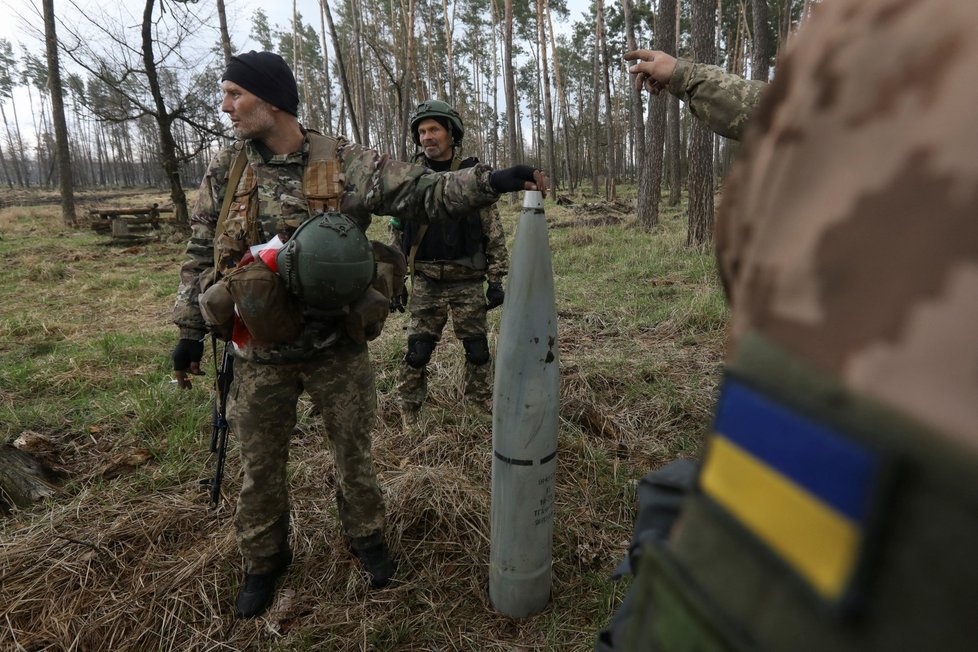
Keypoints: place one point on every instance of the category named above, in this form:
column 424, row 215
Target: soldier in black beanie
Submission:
column 276, row 177
column 266, row 75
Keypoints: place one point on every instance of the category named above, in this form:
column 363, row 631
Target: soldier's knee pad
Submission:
column 419, row 350
column 476, row 349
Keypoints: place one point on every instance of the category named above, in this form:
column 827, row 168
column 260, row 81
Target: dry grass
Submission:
column 128, row 557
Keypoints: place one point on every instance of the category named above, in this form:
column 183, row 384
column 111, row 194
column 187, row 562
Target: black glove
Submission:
column 187, row 352
column 511, row 179
column 494, row 296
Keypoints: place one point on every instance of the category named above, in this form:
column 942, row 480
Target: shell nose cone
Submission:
column 533, row 199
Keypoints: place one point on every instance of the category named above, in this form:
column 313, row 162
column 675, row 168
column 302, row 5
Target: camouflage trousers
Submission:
column 430, row 305
column 262, row 414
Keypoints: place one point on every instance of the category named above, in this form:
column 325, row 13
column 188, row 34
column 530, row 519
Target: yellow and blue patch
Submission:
column 803, row 488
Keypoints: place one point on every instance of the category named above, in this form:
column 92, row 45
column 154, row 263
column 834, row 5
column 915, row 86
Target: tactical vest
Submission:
column 460, row 242
column 322, row 186
column 821, row 520
column 322, row 189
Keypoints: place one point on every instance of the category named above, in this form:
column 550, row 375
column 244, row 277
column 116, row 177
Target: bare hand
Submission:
column 184, row 378
column 654, row 71
column 540, row 182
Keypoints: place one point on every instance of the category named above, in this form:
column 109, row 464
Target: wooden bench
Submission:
column 128, row 224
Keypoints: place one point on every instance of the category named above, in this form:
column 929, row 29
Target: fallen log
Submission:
column 23, row 479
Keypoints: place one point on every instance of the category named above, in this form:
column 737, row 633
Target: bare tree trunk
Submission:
column 66, row 181
column 324, row 4
column 298, row 67
column 609, row 181
column 449, row 28
column 6, row 171
column 674, row 141
column 548, row 113
column 410, row 71
column 656, row 128
column 761, row 57
column 596, row 100
column 21, row 150
column 561, row 99
column 361, row 73
column 225, row 35
column 495, row 81
column 435, row 85
column 700, row 230
column 515, row 156
column 15, row 163
column 38, row 153
column 635, row 111
column 168, row 148
column 328, row 90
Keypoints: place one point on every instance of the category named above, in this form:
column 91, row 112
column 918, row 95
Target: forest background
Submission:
column 140, row 86
column 122, row 553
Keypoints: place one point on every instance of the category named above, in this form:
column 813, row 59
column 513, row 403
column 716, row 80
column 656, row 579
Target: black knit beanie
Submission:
column 266, row 75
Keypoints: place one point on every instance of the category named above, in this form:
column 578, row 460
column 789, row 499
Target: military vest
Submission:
column 251, row 219
column 460, row 242
column 248, row 218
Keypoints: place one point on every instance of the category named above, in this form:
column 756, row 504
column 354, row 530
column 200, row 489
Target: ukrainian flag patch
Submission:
column 804, row 489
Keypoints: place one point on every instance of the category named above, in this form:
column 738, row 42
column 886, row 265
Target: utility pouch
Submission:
column 367, row 315
column 268, row 310
column 217, row 309
column 369, row 312
column 391, row 268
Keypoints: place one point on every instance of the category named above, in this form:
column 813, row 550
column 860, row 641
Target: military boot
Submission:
column 258, row 589
column 372, row 552
column 409, row 419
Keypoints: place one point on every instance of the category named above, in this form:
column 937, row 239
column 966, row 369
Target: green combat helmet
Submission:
column 437, row 109
column 328, row 262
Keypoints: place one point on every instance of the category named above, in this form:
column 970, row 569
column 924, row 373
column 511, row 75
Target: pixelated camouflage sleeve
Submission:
column 496, row 254
column 200, row 248
column 722, row 100
column 376, row 183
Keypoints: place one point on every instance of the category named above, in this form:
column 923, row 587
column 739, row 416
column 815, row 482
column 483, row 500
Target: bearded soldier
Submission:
column 263, row 188
column 449, row 263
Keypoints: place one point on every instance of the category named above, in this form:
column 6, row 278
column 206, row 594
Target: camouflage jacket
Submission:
column 722, row 100
column 372, row 183
column 867, row 268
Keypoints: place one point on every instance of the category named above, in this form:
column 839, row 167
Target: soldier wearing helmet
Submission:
column 449, row 264
column 262, row 190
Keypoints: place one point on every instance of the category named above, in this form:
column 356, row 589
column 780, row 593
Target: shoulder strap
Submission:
column 234, row 176
column 456, row 162
column 414, row 247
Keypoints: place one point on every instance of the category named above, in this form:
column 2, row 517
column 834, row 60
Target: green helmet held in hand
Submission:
column 328, row 262
column 440, row 111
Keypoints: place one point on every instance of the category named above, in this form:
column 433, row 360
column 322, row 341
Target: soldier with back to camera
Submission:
column 835, row 506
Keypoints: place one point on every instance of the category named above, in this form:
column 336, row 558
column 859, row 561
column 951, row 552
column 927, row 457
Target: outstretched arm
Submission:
column 376, row 183
column 722, row 100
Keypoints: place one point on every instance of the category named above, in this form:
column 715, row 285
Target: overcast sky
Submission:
column 18, row 17
column 21, row 23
